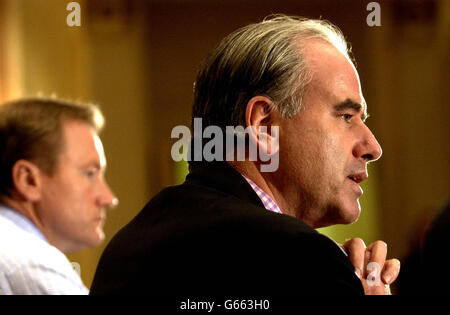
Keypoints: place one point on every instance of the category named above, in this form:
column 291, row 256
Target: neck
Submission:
column 25, row 208
column 265, row 181
column 30, row 211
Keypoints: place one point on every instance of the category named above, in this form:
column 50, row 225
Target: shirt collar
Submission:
column 20, row 221
column 270, row 205
column 268, row 202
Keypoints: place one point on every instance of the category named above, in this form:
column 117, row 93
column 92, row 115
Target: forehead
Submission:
column 81, row 144
column 334, row 76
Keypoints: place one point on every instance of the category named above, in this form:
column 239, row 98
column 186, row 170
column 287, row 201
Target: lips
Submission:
column 358, row 177
column 101, row 218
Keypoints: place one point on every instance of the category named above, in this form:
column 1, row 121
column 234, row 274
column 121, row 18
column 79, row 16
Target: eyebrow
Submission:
column 350, row 104
column 95, row 165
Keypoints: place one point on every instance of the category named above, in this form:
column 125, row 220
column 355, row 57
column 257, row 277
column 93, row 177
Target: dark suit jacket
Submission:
column 434, row 264
column 212, row 236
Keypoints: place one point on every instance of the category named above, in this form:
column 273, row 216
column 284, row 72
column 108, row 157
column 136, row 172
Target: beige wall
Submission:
column 103, row 63
column 3, row 73
column 139, row 62
column 409, row 79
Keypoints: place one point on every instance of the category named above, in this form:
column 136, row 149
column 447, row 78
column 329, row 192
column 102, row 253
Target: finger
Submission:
column 390, row 271
column 376, row 253
column 367, row 256
column 355, row 248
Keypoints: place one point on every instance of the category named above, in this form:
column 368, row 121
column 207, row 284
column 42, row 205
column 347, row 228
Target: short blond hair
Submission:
column 31, row 129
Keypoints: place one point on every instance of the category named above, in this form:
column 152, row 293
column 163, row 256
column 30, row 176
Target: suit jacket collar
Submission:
column 221, row 176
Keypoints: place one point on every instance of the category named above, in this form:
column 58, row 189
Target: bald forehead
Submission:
column 333, row 74
column 321, row 55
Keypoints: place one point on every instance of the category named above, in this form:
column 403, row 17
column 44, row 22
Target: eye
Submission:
column 347, row 117
column 90, row 174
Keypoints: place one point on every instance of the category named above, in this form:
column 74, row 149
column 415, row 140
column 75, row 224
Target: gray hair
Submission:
column 260, row 59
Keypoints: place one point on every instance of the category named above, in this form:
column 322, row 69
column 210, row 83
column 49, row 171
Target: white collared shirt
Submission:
column 29, row 264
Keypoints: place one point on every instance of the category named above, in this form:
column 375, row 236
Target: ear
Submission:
column 26, row 178
column 258, row 111
column 262, row 118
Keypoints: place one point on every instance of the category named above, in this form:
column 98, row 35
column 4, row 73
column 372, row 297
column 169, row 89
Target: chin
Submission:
column 93, row 240
column 350, row 213
column 98, row 239
column 349, row 219
column 340, row 213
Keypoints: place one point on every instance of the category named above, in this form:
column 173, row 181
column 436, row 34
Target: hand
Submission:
column 376, row 273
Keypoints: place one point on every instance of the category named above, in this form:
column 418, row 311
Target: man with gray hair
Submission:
column 234, row 229
column 53, row 195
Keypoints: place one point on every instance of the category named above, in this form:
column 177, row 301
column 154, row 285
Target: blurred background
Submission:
column 138, row 60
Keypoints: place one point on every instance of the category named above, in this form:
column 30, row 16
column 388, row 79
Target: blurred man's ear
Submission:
column 26, row 178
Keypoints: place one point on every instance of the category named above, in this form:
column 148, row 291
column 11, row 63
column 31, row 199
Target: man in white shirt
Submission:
column 53, row 195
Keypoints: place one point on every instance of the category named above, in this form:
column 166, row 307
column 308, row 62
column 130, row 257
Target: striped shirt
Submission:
column 29, row 264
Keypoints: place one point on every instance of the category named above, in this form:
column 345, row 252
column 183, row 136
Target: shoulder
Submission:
column 222, row 242
column 177, row 215
column 198, row 211
column 24, row 248
column 29, row 265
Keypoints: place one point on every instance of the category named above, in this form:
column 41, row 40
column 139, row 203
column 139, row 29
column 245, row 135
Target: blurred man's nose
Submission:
column 107, row 199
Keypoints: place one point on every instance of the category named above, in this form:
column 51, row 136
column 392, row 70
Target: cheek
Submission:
column 333, row 151
column 80, row 204
column 325, row 159
column 303, row 159
column 86, row 200
column 315, row 154
column 320, row 150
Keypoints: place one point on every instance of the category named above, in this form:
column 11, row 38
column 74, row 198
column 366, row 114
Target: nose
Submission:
column 367, row 149
column 106, row 198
